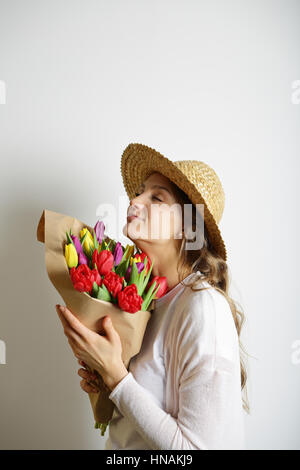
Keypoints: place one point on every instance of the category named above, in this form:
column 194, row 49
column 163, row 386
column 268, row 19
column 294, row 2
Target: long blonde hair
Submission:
column 215, row 272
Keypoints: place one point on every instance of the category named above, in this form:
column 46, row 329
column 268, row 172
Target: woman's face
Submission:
column 158, row 216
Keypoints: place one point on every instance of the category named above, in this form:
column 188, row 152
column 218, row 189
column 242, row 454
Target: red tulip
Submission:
column 163, row 286
column 113, row 283
column 83, row 278
column 97, row 277
column 104, row 261
column 129, row 299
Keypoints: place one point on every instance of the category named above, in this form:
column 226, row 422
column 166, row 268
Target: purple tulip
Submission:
column 99, row 231
column 118, row 253
column 140, row 267
column 77, row 244
column 127, row 274
column 82, row 259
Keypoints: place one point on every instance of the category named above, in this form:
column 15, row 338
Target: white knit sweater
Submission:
column 183, row 390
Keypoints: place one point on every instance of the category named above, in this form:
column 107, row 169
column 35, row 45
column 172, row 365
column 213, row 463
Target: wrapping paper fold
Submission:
column 51, row 231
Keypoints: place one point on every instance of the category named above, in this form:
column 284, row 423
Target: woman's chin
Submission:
column 124, row 230
column 132, row 231
column 129, row 233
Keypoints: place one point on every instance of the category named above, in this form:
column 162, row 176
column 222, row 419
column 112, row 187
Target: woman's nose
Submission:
column 139, row 207
column 137, row 200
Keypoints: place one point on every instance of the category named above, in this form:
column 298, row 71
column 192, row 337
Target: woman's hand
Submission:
column 87, row 378
column 100, row 353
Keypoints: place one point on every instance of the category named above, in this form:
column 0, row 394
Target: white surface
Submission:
column 207, row 80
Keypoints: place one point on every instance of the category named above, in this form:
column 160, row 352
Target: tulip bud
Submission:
column 88, row 243
column 71, row 255
column 163, row 286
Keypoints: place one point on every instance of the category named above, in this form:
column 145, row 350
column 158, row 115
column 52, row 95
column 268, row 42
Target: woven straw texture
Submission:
column 198, row 180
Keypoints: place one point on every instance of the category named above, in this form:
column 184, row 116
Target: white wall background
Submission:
column 206, row 80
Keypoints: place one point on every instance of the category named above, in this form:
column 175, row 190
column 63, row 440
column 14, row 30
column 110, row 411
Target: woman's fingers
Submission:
column 86, row 387
column 82, row 363
column 85, row 374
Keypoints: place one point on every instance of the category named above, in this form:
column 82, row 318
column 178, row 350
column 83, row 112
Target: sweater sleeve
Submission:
column 207, row 387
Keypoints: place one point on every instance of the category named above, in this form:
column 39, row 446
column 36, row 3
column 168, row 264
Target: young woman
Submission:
column 184, row 389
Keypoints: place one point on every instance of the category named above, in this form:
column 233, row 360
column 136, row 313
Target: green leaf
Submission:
column 141, row 286
column 95, row 290
column 125, row 253
column 104, row 294
column 69, row 239
column 134, row 274
column 122, row 267
column 83, row 238
column 102, row 247
column 108, row 245
column 148, row 276
column 126, row 266
column 114, row 299
column 149, row 295
column 96, row 243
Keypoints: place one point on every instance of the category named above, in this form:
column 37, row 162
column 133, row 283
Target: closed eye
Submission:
column 153, row 197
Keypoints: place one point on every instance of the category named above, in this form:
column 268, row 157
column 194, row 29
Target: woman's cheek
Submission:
column 176, row 227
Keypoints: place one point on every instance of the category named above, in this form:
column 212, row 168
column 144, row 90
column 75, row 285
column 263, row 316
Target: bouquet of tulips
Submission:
column 96, row 276
column 110, row 272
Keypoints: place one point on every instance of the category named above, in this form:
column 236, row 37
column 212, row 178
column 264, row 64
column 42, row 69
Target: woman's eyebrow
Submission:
column 158, row 187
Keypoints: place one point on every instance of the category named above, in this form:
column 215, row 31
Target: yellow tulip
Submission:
column 89, row 241
column 137, row 259
column 71, row 255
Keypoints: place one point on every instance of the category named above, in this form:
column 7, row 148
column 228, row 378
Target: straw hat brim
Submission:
column 139, row 161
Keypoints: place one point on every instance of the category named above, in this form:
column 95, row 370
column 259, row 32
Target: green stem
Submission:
column 101, row 426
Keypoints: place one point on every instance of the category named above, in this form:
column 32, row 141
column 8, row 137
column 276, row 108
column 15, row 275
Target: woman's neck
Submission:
column 164, row 263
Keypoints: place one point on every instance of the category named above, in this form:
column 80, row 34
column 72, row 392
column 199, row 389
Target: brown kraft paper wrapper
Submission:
column 51, row 231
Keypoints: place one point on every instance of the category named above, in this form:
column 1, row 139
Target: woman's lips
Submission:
column 132, row 217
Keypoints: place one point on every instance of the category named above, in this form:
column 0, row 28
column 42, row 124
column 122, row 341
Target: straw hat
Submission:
column 198, row 180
